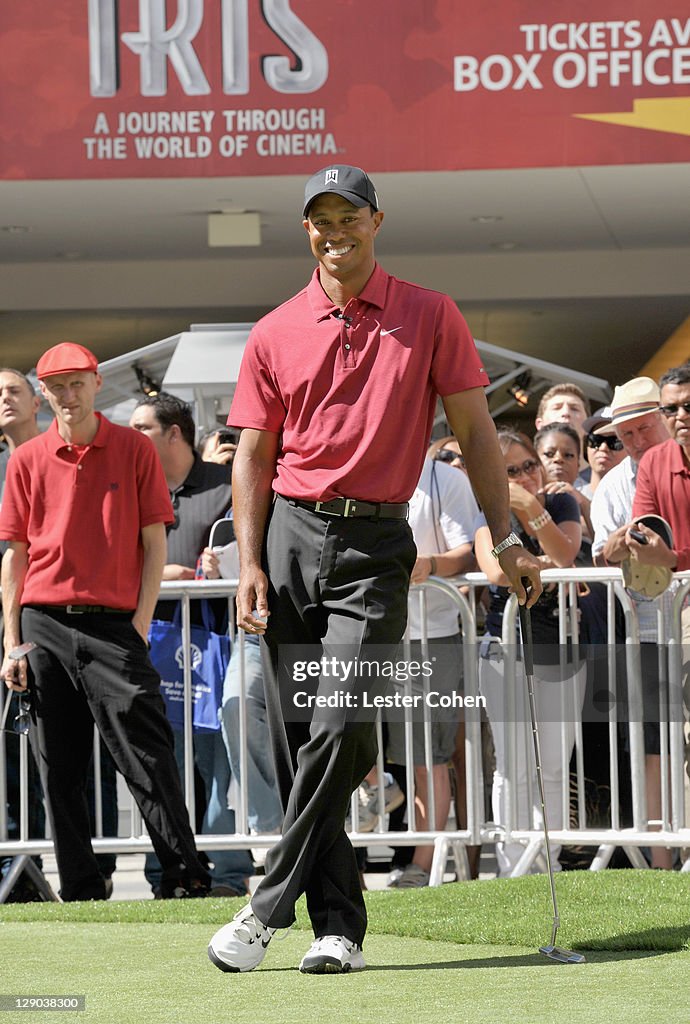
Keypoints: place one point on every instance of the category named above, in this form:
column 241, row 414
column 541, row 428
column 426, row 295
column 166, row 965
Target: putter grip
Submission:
column 526, row 631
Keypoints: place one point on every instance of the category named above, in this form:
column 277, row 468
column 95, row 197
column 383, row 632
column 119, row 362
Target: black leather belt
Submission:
column 348, row 508
column 87, row 609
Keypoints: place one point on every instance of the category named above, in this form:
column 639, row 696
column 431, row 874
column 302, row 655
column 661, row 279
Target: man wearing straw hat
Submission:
column 640, row 426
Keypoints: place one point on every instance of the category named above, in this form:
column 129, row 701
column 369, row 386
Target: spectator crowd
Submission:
column 80, row 582
column 581, row 491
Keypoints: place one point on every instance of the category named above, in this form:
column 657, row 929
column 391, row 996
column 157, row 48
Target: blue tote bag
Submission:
column 210, row 654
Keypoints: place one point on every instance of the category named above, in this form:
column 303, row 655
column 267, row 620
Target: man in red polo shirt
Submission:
column 84, row 510
column 336, row 397
column 663, row 479
column 663, row 488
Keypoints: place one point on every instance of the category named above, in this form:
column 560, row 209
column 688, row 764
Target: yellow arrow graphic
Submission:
column 662, row 115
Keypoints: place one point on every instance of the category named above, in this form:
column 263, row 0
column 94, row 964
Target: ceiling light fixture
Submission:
column 147, row 385
column 519, row 390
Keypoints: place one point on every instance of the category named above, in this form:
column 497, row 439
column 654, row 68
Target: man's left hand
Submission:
column 13, row 672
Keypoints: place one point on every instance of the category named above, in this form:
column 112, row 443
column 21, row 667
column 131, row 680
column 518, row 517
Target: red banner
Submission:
column 190, row 88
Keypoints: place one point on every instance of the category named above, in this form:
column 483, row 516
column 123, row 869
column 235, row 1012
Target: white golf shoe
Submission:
column 240, row 945
column 332, row 954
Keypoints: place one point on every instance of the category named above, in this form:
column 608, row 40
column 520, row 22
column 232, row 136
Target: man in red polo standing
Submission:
column 84, row 510
column 663, row 488
column 663, row 479
column 336, row 397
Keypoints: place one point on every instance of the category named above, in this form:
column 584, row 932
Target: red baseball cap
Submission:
column 67, row 357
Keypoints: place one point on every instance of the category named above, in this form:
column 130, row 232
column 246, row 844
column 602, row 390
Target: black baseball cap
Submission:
column 599, row 422
column 352, row 183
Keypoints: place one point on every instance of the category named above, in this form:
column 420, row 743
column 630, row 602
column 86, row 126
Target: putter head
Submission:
column 562, row 956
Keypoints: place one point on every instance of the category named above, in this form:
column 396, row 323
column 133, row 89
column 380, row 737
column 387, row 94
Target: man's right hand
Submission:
column 616, row 549
column 13, row 671
column 252, row 601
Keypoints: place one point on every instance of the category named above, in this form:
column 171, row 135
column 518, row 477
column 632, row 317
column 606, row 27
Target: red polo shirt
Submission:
column 353, row 391
column 81, row 509
column 663, row 488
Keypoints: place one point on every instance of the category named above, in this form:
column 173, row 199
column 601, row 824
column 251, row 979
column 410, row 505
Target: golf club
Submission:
column 552, row 951
column 8, row 701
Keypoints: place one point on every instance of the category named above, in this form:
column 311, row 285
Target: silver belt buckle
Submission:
column 350, row 508
column 73, row 609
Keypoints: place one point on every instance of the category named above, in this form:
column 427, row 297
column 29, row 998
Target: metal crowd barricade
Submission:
column 672, row 830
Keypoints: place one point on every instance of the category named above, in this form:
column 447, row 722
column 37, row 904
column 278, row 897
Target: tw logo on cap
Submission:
column 331, row 177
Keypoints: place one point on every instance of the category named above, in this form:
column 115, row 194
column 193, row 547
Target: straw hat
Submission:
column 637, row 397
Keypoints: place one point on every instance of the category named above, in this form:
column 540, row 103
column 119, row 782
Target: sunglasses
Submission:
column 528, row 467
column 613, row 443
column 448, row 455
column 673, row 410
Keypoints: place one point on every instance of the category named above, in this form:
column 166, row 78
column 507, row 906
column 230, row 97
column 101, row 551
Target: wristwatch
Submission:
column 512, row 540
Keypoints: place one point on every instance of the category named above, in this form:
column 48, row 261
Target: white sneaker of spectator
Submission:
column 259, row 852
column 412, row 877
column 394, row 878
column 393, row 797
column 368, row 803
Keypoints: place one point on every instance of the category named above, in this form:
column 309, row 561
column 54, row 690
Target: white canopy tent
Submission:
column 201, row 365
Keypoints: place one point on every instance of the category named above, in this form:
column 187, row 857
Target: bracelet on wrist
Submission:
column 432, row 570
column 540, row 521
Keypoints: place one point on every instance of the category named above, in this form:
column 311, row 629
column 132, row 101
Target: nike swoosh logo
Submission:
column 392, row 331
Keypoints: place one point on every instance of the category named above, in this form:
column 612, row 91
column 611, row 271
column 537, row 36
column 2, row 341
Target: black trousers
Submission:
column 336, row 586
column 95, row 668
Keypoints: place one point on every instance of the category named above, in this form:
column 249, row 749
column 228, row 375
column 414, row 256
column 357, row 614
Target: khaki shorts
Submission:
column 446, row 655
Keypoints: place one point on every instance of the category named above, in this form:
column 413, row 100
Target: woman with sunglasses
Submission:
column 447, row 449
column 549, row 526
column 603, row 449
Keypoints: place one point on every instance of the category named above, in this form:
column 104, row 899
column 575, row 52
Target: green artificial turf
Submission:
column 608, row 910
column 159, row 974
column 464, row 953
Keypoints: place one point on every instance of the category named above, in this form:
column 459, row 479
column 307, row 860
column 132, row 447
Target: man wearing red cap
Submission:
column 321, row 482
column 84, row 510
